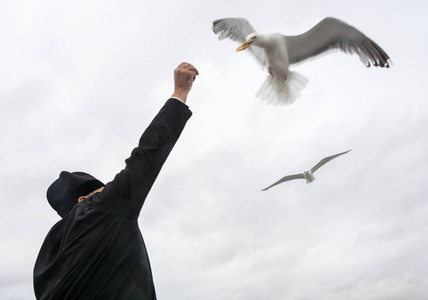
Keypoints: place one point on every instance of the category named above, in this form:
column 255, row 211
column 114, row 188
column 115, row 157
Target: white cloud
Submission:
column 78, row 77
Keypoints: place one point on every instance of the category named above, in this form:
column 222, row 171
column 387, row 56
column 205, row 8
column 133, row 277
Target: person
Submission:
column 96, row 251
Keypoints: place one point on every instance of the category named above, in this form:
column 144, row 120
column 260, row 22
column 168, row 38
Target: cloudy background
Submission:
column 81, row 80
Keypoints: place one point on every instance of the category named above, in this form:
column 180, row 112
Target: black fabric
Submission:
column 97, row 251
column 64, row 192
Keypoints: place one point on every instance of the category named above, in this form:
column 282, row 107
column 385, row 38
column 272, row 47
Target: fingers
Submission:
column 184, row 76
column 188, row 68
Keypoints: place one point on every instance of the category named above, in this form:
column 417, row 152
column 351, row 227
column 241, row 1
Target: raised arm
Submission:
column 125, row 195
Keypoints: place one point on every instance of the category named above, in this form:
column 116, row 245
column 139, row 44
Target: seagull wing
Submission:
column 286, row 178
column 332, row 34
column 237, row 29
column 326, row 160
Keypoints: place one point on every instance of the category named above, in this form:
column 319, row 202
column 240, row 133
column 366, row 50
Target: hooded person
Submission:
column 64, row 192
column 96, row 250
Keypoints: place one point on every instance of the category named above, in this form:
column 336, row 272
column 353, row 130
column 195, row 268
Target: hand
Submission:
column 184, row 76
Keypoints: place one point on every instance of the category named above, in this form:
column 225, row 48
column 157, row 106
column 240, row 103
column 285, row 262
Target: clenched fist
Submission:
column 184, row 76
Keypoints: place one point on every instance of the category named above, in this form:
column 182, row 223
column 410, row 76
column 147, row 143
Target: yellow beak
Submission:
column 244, row 46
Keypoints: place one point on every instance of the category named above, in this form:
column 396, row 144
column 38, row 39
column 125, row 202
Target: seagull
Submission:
column 308, row 174
column 277, row 52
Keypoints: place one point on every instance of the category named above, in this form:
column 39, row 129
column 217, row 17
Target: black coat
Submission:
column 97, row 251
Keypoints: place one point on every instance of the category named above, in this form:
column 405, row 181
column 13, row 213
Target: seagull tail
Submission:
column 282, row 92
column 310, row 180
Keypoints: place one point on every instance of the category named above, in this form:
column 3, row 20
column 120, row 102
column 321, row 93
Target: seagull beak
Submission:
column 244, row 46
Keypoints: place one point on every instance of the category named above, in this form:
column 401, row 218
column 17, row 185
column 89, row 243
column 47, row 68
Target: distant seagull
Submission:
column 308, row 174
column 278, row 52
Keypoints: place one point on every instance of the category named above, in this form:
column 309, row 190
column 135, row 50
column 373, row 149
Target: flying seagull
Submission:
column 277, row 52
column 308, row 174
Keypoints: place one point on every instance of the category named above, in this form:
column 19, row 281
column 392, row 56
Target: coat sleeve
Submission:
column 125, row 195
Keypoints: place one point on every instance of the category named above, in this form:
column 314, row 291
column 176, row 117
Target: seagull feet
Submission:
column 285, row 75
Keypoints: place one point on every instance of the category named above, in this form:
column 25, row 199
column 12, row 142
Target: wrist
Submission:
column 178, row 99
column 181, row 95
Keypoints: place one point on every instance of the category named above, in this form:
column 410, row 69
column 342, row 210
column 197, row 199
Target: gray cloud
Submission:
column 81, row 81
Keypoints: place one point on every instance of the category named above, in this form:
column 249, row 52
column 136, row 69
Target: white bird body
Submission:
column 276, row 56
column 307, row 174
column 281, row 86
column 277, row 52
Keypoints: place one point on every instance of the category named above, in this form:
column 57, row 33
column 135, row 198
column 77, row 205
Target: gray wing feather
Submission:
column 286, row 178
column 237, row 29
column 326, row 160
column 332, row 34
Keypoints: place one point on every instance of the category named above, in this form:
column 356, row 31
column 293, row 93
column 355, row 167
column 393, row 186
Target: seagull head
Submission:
column 251, row 38
column 309, row 176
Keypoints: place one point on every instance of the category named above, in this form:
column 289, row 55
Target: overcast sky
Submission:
column 81, row 80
